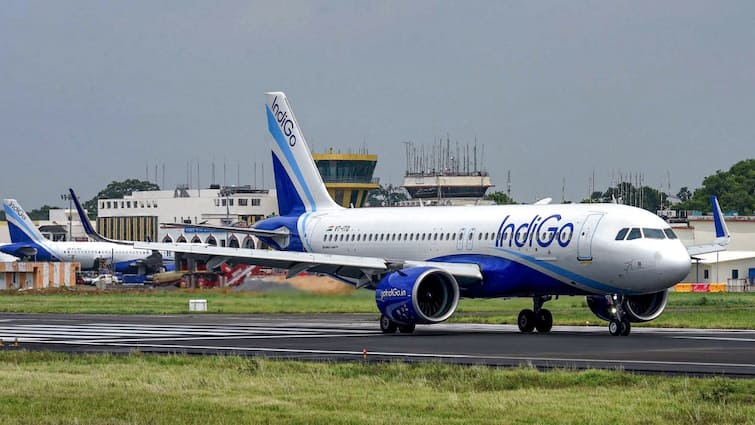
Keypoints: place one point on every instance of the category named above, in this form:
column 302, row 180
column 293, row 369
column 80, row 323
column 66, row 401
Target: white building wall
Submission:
column 202, row 206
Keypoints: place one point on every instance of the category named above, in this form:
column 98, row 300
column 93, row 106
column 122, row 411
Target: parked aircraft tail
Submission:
column 20, row 226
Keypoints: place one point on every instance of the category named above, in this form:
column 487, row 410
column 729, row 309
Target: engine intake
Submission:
column 638, row 308
column 417, row 295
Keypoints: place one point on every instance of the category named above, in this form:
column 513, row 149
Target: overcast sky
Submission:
column 93, row 91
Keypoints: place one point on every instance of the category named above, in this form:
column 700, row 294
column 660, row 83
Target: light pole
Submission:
column 67, row 197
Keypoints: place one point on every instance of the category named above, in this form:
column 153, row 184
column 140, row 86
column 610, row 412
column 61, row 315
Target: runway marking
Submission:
column 411, row 355
column 112, row 333
column 716, row 338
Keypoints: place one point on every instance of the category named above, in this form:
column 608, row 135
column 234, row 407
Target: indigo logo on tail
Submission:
column 18, row 210
column 286, row 124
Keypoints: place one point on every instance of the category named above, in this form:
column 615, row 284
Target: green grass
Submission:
column 710, row 310
column 52, row 388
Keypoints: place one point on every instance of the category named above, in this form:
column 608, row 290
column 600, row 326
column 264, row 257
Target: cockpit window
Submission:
column 622, row 234
column 653, row 233
column 669, row 233
column 634, row 234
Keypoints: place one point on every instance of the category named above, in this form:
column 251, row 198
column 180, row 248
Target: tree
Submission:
column 117, row 190
column 41, row 213
column 735, row 190
column 684, row 194
column 628, row 194
column 386, row 196
column 500, row 198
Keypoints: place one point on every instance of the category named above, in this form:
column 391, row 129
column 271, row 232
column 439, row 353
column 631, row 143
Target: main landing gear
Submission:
column 538, row 318
column 619, row 323
column 388, row 326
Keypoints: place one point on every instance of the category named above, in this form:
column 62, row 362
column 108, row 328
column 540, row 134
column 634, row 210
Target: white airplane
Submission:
column 27, row 241
column 420, row 261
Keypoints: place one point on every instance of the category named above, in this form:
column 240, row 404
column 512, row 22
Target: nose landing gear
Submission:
column 619, row 323
column 538, row 318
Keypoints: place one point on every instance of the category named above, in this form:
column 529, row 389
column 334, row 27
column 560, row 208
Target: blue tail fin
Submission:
column 20, row 226
column 722, row 231
column 298, row 183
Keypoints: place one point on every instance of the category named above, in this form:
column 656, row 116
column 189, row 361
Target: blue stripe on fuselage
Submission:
column 504, row 277
column 568, row 274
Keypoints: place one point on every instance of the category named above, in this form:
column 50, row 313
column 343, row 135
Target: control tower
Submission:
column 347, row 176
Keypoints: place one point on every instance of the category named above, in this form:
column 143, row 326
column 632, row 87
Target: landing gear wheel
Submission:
column 626, row 327
column 387, row 325
column 406, row 329
column 615, row 327
column 544, row 321
column 526, row 320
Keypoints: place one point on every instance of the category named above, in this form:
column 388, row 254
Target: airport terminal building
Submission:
column 137, row 217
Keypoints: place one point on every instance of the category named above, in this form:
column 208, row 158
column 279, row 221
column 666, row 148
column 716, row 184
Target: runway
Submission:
column 349, row 337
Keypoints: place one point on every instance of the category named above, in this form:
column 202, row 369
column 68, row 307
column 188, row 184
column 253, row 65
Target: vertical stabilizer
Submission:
column 722, row 231
column 298, row 183
column 20, row 226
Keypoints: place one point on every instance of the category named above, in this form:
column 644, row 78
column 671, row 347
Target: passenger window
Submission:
column 653, row 233
column 634, row 234
column 669, row 233
column 622, row 234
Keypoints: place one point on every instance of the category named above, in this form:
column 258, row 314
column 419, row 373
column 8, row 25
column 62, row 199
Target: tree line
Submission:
column 734, row 188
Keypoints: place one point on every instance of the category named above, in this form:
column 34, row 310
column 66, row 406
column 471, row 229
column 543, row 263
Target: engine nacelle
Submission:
column 417, row 295
column 638, row 308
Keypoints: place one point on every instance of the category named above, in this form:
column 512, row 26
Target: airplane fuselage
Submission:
column 522, row 250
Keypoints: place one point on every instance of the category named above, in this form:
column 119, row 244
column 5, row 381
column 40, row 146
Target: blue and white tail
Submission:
column 298, row 183
column 20, row 226
column 722, row 231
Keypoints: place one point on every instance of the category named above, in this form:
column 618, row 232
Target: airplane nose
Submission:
column 676, row 264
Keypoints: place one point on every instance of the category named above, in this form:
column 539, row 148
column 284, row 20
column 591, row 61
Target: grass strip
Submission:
column 55, row 388
column 695, row 310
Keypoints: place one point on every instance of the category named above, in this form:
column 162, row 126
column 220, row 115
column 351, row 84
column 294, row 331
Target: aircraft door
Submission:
column 470, row 239
column 586, row 234
column 460, row 239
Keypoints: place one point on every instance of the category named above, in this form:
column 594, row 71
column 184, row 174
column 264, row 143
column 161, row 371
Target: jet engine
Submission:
column 422, row 295
column 638, row 308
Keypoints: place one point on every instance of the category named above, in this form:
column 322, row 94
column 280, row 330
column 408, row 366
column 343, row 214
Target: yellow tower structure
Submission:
column 348, row 176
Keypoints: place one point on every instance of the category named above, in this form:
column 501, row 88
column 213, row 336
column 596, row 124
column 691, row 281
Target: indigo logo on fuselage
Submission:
column 543, row 230
column 285, row 123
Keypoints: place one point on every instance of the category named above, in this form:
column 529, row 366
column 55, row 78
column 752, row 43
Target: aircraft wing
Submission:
column 359, row 269
column 722, row 233
column 232, row 229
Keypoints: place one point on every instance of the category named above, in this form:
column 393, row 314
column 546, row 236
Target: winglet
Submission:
column 722, row 232
column 88, row 228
